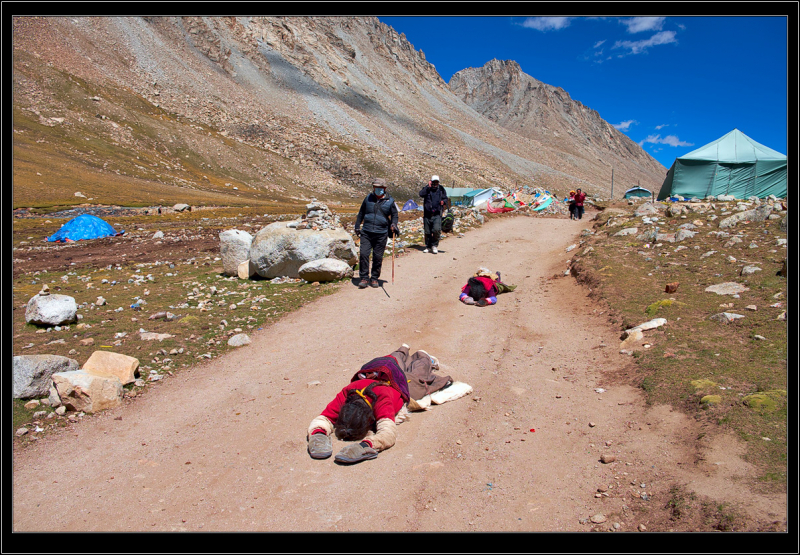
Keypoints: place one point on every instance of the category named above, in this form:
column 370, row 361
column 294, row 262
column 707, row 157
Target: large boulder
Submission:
column 51, row 310
column 32, row 374
column 755, row 215
column 82, row 391
column 105, row 363
column 325, row 269
column 234, row 248
column 280, row 251
column 180, row 207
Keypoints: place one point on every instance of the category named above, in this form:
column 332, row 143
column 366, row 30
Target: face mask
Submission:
column 379, row 191
column 435, row 185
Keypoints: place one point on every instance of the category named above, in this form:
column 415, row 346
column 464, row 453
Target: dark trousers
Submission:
column 579, row 212
column 374, row 243
column 572, row 214
column 432, row 226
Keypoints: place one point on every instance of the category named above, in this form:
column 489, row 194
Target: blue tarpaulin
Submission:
column 84, row 226
column 410, row 205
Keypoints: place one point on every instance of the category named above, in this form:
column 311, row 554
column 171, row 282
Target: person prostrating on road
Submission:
column 366, row 410
column 434, row 203
column 378, row 214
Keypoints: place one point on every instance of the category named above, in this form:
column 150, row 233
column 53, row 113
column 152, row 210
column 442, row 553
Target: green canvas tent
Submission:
column 733, row 165
column 637, row 192
column 458, row 195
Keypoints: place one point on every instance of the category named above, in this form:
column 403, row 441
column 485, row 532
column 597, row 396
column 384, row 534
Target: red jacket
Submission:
column 579, row 198
column 388, row 404
column 488, row 283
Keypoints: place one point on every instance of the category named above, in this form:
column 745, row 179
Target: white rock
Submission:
column 51, row 310
column 727, row 288
column 158, row 235
column 152, row 336
column 234, row 247
column 649, row 325
column 239, row 339
column 325, row 269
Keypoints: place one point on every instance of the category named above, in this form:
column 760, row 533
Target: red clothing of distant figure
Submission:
column 579, row 197
column 388, row 404
column 488, row 284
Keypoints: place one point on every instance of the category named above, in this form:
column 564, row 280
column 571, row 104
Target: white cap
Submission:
column 435, row 178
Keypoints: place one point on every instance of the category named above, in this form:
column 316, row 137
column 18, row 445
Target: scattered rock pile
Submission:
column 318, row 216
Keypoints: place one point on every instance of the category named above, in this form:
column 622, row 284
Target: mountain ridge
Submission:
column 237, row 110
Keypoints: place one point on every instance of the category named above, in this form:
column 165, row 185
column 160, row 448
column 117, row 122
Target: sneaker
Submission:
column 374, row 283
column 426, row 250
column 435, row 250
column 363, row 284
column 319, row 446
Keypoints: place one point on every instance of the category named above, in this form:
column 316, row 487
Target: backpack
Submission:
column 447, row 222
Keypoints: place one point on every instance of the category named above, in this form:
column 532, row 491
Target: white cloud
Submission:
column 625, row 125
column 547, row 23
column 639, row 46
column 670, row 140
column 599, row 43
column 639, row 24
column 663, row 125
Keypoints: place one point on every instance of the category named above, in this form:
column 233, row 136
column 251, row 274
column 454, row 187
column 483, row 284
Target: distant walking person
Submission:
column 580, row 196
column 378, row 214
column 434, row 203
column 571, row 205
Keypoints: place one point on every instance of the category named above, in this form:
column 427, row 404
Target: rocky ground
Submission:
column 552, row 438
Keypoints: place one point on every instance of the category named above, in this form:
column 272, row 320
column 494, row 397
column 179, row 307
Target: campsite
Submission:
column 192, row 360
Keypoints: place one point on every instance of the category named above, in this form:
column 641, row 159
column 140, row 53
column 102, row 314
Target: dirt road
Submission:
column 221, row 446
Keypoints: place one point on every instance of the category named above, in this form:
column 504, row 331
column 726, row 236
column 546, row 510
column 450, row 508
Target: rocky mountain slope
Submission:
column 253, row 110
column 503, row 93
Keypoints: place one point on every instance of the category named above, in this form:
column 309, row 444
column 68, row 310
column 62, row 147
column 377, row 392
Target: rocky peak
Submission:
column 502, row 92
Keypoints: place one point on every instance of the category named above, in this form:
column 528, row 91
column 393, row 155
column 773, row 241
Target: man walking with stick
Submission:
column 434, row 203
column 378, row 214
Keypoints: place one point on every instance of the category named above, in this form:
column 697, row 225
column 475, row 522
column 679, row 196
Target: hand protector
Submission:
column 355, row 452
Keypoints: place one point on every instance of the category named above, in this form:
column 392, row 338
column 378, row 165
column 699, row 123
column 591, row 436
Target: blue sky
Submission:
column 671, row 84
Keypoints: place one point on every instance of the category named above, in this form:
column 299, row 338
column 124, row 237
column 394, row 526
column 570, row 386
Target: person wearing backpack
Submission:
column 378, row 214
column 434, row 202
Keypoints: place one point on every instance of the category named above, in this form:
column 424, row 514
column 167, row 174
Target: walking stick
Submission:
column 393, row 238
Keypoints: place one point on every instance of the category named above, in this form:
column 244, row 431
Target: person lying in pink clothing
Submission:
column 482, row 288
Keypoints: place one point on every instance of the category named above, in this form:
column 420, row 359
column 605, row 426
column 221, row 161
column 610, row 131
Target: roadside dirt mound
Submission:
column 221, row 446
